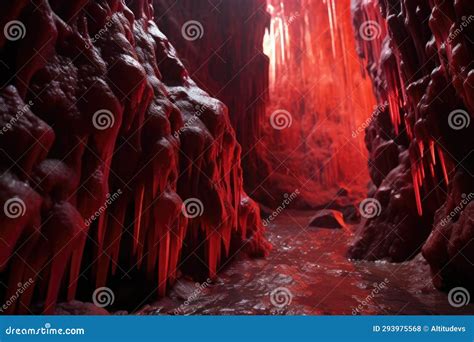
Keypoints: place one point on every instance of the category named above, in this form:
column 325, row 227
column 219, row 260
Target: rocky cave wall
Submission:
column 220, row 43
column 112, row 159
column 224, row 53
column 419, row 55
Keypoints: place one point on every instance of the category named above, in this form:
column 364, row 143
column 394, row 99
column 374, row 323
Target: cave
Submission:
column 245, row 157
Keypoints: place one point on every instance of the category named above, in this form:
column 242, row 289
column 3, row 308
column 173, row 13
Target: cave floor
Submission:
column 309, row 274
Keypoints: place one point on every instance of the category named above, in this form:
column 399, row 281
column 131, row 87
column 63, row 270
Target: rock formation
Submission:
column 112, row 158
column 419, row 55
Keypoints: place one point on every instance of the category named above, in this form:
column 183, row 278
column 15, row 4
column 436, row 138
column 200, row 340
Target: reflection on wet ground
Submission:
column 308, row 273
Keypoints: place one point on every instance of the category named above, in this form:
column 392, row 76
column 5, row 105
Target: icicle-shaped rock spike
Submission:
column 116, row 136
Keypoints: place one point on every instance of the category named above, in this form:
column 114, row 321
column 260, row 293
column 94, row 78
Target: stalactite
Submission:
column 227, row 60
column 316, row 83
column 111, row 191
column 421, row 71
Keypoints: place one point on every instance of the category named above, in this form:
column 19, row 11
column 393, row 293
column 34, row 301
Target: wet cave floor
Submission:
column 308, row 273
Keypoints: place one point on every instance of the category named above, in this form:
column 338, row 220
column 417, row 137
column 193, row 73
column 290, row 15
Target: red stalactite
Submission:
column 114, row 193
column 423, row 70
column 226, row 59
column 316, row 84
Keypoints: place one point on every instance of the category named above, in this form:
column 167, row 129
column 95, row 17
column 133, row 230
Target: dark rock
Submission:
column 350, row 213
column 342, row 192
column 328, row 219
column 420, row 160
column 395, row 231
column 450, row 247
column 105, row 112
column 76, row 307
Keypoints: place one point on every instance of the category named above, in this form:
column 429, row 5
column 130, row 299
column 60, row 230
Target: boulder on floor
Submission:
column 328, row 219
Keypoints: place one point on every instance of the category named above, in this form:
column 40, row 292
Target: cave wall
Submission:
column 419, row 55
column 224, row 52
column 112, row 159
column 220, row 43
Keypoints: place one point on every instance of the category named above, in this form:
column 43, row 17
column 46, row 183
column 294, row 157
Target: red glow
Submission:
column 315, row 75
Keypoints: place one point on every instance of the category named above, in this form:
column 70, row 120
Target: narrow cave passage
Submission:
column 237, row 157
column 318, row 191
